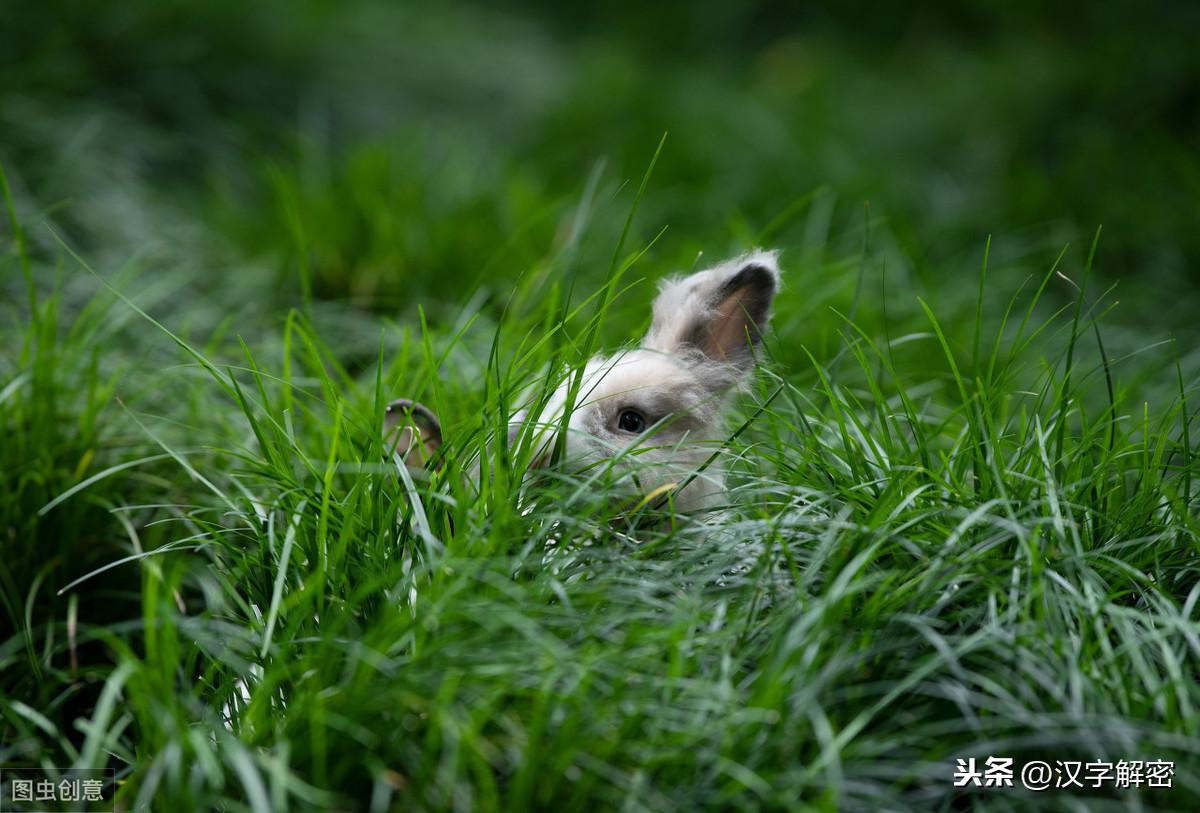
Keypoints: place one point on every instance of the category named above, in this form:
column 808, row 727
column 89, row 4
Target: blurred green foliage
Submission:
column 393, row 125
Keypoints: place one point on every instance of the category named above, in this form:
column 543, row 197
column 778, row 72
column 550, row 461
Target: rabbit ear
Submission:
column 721, row 312
column 413, row 431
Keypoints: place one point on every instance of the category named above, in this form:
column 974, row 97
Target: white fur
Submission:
column 679, row 383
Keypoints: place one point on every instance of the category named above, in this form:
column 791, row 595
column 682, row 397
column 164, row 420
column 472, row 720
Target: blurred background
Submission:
column 389, row 155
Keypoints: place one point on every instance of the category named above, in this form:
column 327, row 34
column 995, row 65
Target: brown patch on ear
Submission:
column 413, row 431
column 739, row 314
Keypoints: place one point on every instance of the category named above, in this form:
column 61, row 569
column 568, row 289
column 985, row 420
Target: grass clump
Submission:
column 947, row 539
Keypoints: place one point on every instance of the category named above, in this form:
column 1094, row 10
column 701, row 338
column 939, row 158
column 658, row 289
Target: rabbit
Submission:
column 653, row 413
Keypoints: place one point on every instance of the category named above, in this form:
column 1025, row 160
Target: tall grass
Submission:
column 950, row 533
column 963, row 497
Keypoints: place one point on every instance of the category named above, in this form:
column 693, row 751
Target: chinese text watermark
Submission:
column 67, row 791
column 1039, row 775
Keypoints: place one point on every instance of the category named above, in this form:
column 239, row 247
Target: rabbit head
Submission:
column 651, row 417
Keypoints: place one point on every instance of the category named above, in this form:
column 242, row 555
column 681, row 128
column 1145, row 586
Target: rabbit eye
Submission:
column 630, row 420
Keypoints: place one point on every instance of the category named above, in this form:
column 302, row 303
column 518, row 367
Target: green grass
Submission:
column 965, row 555
column 963, row 510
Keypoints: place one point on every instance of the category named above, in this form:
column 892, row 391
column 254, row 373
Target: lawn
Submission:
column 961, row 520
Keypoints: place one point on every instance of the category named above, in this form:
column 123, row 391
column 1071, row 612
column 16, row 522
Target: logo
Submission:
column 76, row 790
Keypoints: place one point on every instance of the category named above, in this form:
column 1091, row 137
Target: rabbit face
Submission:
column 641, row 417
column 653, row 415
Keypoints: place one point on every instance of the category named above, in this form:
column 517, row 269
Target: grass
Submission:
column 962, row 519
column 970, row 557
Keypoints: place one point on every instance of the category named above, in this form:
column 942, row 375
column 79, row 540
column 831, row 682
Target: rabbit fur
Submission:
column 653, row 415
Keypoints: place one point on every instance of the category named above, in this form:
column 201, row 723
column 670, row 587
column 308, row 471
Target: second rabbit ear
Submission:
column 721, row 312
column 413, row 431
